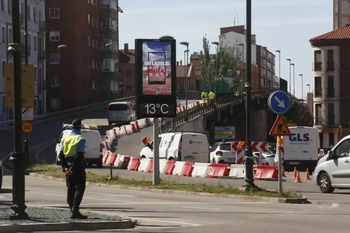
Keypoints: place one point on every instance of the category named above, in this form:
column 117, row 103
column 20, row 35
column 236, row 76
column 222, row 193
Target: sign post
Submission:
column 156, row 85
column 279, row 103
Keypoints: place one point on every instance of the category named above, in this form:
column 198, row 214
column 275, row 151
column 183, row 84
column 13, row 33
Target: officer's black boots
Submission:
column 78, row 215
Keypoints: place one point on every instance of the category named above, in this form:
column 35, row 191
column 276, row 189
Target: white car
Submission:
column 267, row 158
column 222, row 152
column 93, row 144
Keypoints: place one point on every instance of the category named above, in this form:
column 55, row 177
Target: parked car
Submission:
column 222, row 152
column 1, row 174
column 93, row 145
column 267, row 158
column 333, row 169
column 179, row 146
column 121, row 112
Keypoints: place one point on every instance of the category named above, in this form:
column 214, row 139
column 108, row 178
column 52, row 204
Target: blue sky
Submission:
column 285, row 25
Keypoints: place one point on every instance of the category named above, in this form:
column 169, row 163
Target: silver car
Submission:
column 120, row 112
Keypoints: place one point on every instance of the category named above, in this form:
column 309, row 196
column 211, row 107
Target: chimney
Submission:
column 253, row 38
column 126, row 48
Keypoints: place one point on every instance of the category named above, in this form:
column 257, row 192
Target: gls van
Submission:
column 300, row 149
column 120, row 112
column 333, row 169
column 180, row 146
column 93, row 145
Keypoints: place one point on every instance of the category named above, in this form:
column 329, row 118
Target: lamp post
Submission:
column 308, row 85
column 216, row 64
column 302, row 96
column 293, row 78
column 279, row 65
column 290, row 80
column 186, row 76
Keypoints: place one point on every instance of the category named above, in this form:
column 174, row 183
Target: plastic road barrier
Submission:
column 266, row 173
column 218, row 170
column 134, row 164
column 179, row 166
column 200, row 170
column 169, row 167
column 144, row 165
column 187, row 169
column 237, row 171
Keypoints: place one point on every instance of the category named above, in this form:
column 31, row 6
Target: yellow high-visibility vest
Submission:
column 70, row 144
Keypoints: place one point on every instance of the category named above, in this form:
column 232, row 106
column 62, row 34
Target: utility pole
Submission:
column 17, row 157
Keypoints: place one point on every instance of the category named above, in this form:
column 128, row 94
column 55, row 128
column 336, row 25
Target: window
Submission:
column 330, row 114
column 34, row 14
column 318, row 63
column 342, row 149
column 55, row 104
column 55, row 58
column 55, row 81
column 54, row 13
column 34, row 41
column 318, row 88
column 318, row 114
column 330, row 62
column 2, row 5
column 331, row 139
column 9, row 6
column 54, row 35
column 330, row 89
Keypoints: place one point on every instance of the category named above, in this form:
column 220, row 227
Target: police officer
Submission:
column 211, row 97
column 204, row 96
column 73, row 165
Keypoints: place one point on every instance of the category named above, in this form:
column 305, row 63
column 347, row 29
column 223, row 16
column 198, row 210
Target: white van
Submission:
column 301, row 148
column 121, row 112
column 180, row 146
column 333, row 169
column 93, row 145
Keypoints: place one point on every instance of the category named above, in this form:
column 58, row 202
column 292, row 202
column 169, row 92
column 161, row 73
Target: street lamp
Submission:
column 308, row 85
column 302, row 96
column 216, row 63
column 186, row 76
column 290, row 87
column 293, row 78
column 279, row 65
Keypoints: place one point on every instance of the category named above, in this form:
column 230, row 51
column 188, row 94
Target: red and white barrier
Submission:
column 144, row 165
column 218, row 170
column 200, row 170
column 240, row 146
column 178, row 168
column 134, row 164
column 237, row 171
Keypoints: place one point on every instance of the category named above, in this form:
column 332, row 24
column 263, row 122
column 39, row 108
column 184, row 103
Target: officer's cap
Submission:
column 76, row 124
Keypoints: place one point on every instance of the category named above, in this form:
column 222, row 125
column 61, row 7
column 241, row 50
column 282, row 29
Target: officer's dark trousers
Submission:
column 75, row 191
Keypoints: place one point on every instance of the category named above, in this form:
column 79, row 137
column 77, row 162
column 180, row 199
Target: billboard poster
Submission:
column 155, row 77
column 156, row 68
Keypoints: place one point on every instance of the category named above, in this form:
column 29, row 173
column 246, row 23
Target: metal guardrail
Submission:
column 6, row 125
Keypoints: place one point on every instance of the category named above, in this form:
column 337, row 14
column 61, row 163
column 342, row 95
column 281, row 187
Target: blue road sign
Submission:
column 278, row 102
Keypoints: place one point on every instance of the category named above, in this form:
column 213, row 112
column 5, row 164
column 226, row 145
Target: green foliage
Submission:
column 298, row 113
column 223, row 64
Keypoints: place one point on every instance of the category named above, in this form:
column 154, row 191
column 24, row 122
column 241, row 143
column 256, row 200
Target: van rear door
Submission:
column 194, row 148
column 168, row 146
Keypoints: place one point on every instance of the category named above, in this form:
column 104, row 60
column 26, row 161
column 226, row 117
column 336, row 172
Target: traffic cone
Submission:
column 283, row 173
column 295, row 172
column 307, row 174
column 297, row 179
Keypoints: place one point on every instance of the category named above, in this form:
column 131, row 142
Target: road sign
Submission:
column 224, row 132
column 278, row 102
column 27, row 127
column 27, row 114
column 280, row 127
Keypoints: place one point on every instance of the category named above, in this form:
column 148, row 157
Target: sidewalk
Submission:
column 57, row 219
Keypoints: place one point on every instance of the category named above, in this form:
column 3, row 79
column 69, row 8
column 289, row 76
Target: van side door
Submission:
column 340, row 164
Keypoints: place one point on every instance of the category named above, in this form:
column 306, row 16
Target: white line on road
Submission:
column 44, row 147
column 112, row 195
column 200, row 208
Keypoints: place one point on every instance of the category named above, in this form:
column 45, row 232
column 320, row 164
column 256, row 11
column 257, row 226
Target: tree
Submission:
column 224, row 65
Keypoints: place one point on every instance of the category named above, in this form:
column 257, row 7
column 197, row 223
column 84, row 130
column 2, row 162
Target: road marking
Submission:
column 201, row 208
column 113, row 195
column 43, row 148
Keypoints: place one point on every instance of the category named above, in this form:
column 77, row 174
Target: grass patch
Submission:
column 55, row 171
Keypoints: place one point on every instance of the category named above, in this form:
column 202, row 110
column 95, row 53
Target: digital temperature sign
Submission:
column 156, row 77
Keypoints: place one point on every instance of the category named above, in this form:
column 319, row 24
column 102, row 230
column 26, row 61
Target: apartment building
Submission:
column 263, row 61
column 127, row 72
column 33, row 26
column 82, row 52
column 341, row 13
column 332, row 84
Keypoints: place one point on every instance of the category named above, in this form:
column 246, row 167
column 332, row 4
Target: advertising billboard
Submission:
column 155, row 77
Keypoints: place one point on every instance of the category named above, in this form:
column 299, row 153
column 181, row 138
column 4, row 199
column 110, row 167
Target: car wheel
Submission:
column 325, row 183
column 99, row 164
column 109, row 123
